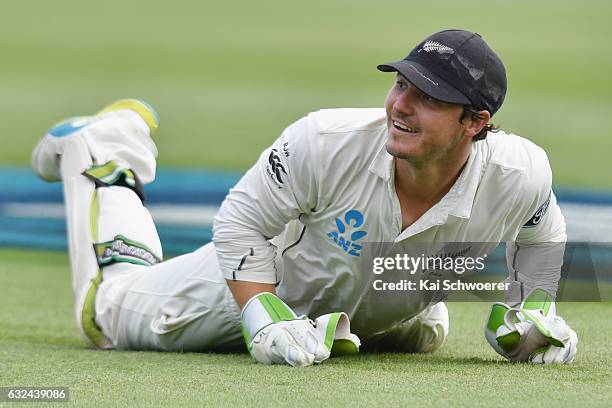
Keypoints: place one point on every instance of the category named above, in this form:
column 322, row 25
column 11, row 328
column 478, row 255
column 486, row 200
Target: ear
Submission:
column 475, row 122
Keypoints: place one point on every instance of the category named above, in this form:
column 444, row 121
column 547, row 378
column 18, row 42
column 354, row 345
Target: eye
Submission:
column 428, row 98
column 400, row 84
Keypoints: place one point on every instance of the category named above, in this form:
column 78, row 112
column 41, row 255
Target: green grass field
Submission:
column 40, row 346
column 227, row 77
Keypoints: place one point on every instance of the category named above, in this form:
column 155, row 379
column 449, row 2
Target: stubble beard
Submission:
column 427, row 158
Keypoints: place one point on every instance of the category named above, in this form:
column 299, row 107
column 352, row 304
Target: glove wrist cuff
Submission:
column 335, row 331
column 261, row 311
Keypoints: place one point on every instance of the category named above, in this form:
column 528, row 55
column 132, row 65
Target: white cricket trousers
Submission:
column 182, row 304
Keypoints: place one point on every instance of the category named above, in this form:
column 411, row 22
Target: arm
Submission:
column 527, row 327
column 281, row 187
column 243, row 291
column 277, row 189
column 535, row 258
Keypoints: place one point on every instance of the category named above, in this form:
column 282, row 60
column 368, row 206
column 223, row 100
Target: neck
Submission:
column 431, row 181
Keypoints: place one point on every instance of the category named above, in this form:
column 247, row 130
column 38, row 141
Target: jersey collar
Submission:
column 460, row 198
column 382, row 164
column 463, row 192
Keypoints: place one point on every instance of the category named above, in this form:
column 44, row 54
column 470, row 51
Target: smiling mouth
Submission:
column 404, row 128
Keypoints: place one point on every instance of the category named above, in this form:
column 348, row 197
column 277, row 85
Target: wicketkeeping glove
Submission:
column 274, row 334
column 533, row 332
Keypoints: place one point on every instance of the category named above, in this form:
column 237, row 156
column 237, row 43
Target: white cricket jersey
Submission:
column 303, row 215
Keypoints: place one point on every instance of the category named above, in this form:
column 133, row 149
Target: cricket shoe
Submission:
column 46, row 156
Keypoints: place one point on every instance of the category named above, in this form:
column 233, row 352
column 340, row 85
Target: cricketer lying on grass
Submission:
column 288, row 239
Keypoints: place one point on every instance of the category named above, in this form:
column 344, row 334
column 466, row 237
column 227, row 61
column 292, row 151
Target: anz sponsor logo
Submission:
column 347, row 232
column 537, row 217
column 275, row 168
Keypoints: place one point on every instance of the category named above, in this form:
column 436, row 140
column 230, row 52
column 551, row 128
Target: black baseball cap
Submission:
column 455, row 66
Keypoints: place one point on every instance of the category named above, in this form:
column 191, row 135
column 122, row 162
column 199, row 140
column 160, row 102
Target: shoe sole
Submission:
column 146, row 111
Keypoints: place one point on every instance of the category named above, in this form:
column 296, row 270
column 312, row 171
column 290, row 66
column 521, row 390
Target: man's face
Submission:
column 422, row 129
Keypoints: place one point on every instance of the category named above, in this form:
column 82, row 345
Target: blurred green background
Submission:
column 228, row 76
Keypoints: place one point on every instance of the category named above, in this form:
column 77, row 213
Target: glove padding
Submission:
column 334, row 329
column 531, row 332
column 558, row 355
column 293, row 342
column 274, row 334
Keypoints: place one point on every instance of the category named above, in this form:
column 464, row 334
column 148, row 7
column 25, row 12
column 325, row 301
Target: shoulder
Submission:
column 342, row 139
column 339, row 134
column 333, row 128
column 514, row 152
column 511, row 152
column 515, row 182
column 340, row 144
column 355, row 133
column 327, row 131
column 518, row 161
column 347, row 120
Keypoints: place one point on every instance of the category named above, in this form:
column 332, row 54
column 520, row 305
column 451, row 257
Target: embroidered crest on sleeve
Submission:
column 537, row 217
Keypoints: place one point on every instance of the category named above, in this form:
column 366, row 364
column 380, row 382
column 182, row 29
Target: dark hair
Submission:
column 489, row 127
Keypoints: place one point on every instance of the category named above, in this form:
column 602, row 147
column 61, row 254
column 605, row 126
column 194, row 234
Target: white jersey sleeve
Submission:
column 535, row 258
column 280, row 187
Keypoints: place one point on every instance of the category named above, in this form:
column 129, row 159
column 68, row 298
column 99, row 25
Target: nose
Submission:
column 404, row 103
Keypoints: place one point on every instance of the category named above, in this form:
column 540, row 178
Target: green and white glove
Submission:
column 335, row 330
column 533, row 332
column 274, row 334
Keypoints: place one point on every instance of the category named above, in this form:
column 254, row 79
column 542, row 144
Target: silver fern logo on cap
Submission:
column 436, row 46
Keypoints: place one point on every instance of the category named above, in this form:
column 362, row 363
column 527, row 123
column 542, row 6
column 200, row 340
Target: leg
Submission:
column 126, row 297
column 424, row 333
column 182, row 304
column 94, row 213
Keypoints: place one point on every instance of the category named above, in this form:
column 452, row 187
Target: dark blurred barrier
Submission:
column 183, row 203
